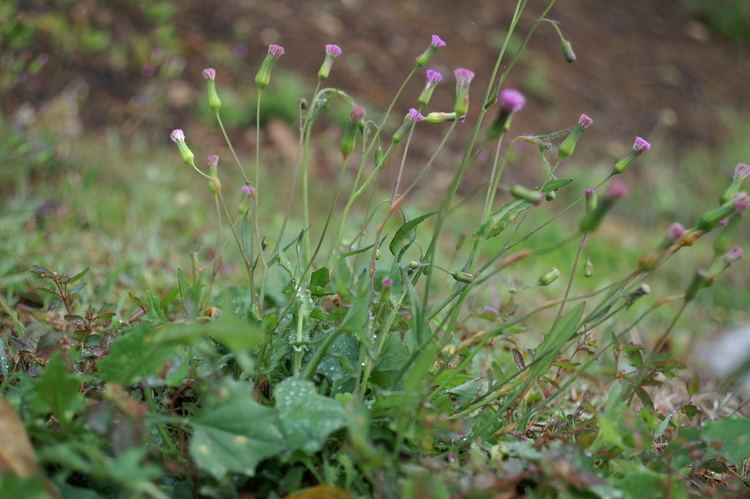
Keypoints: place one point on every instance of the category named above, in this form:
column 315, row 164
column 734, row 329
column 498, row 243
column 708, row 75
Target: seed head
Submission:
column 433, row 77
column 333, row 50
column 212, row 160
column 641, row 145
column 209, row 74
column 585, row 121
column 437, row 42
column 675, row 232
column 511, row 100
column 276, row 51
column 177, row 135
column 617, row 190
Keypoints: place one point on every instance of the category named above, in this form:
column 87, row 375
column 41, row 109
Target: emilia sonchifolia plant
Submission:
column 369, row 323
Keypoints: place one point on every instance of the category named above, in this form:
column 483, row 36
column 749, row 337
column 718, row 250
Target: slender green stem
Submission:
column 307, row 132
column 231, row 148
column 256, row 210
column 570, row 279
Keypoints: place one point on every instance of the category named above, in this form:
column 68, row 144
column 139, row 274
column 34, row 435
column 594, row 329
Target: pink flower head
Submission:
column 248, row 190
column 276, row 51
column 414, row 115
column 437, row 42
column 675, row 232
column 433, row 77
column 209, row 74
column 177, row 135
column 511, row 100
column 333, row 50
column 734, row 254
column 387, row 282
column 741, row 171
column 585, row 121
column 741, row 203
column 463, row 76
column 617, row 190
column 641, row 145
column 358, row 113
column 212, row 160
column 589, row 193
column 723, row 222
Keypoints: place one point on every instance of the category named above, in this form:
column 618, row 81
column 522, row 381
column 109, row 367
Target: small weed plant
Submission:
column 355, row 361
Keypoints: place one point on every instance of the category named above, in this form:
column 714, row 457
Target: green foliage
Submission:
column 727, row 18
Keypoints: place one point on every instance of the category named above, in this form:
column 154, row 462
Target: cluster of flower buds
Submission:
column 214, row 102
column 263, row 76
column 568, row 145
column 511, row 101
column 640, row 146
column 426, row 56
column 332, row 52
column 597, row 210
column 349, row 137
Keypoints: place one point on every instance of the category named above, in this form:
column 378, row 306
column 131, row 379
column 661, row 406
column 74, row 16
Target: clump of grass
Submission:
column 350, row 362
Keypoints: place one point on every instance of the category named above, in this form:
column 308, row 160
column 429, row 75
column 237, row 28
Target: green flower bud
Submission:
column 214, row 102
column 463, row 277
column 178, row 137
column 568, row 145
column 567, row 50
column 263, row 76
column 521, row 192
column 549, row 277
column 332, row 52
column 639, row 147
column 426, row 56
column 463, row 81
column 436, row 118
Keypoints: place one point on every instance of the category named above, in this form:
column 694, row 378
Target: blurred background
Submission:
column 89, row 91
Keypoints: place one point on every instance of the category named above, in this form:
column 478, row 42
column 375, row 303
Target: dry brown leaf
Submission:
column 320, row 492
column 16, row 453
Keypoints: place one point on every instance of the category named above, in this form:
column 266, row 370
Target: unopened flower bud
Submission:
column 349, row 137
column 463, row 81
column 741, row 172
column 639, row 147
column 567, row 50
column 675, row 232
column 214, row 185
column 592, row 199
column 433, row 79
column 711, row 219
column 412, row 117
column 592, row 219
column 463, row 277
column 549, row 277
column 568, row 145
column 332, row 52
column 412, row 267
column 263, row 76
column 550, row 196
column 214, row 102
column 588, row 269
column 387, row 282
column 733, row 255
column 178, row 137
column 248, row 192
column 521, row 192
column 436, row 118
column 511, row 101
column 426, row 56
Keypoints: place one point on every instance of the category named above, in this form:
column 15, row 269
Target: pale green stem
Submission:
column 231, row 148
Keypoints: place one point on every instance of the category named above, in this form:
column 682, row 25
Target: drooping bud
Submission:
column 411, row 118
column 433, row 79
column 568, row 145
column 436, row 118
column 521, row 192
column 592, row 219
column 741, row 172
column 426, row 56
column 349, row 138
column 588, row 269
column 463, row 81
column 549, row 277
column 214, row 102
column 332, row 52
column 511, row 101
column 178, row 137
column 567, row 50
column 639, row 147
column 263, row 76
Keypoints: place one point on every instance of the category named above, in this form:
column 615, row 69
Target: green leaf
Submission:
column 307, row 418
column 27, row 487
column 390, row 361
column 355, row 251
column 733, row 435
column 358, row 314
column 555, row 184
column 134, row 356
column 228, row 328
column 406, row 234
column 58, row 391
column 233, row 433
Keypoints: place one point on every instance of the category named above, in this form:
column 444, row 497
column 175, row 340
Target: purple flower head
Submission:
column 437, row 42
column 741, row 203
column 463, row 76
column 358, row 113
column 414, row 115
column 387, row 282
column 177, row 135
column 585, row 121
column 511, row 100
column 723, row 222
column 248, row 190
column 276, row 51
column 741, row 171
column 209, row 74
column 589, row 193
column 641, row 145
column 675, row 232
column 734, row 254
column 617, row 190
column 333, row 50
column 212, row 160
column 433, row 77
